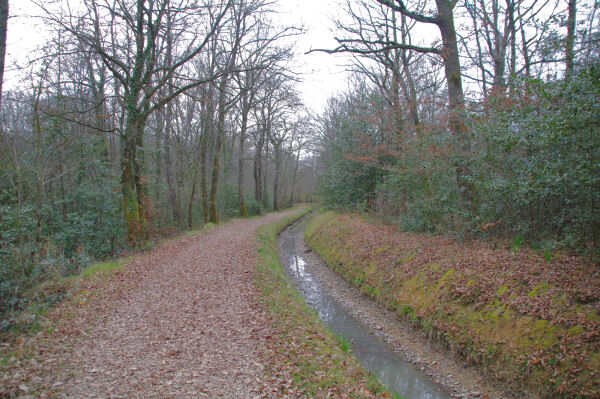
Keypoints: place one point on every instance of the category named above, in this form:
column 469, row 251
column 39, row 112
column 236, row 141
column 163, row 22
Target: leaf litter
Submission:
column 183, row 320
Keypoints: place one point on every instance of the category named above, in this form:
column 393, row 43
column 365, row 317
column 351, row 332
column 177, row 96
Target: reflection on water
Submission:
column 297, row 265
column 375, row 354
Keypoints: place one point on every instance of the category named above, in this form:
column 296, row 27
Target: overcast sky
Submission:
column 322, row 74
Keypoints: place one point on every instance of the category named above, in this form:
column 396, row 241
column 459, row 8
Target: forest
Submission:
column 137, row 120
column 492, row 132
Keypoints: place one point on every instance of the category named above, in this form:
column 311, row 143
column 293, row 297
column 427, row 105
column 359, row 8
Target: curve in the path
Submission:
column 182, row 320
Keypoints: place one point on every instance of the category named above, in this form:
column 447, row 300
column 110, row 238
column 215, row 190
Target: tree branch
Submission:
column 385, row 46
column 399, row 6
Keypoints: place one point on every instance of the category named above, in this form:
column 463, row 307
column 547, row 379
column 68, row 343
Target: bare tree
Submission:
column 494, row 24
column 391, row 70
column 443, row 19
column 264, row 57
column 279, row 109
column 131, row 41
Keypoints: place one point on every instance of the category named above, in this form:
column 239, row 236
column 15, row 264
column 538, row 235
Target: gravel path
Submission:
column 181, row 321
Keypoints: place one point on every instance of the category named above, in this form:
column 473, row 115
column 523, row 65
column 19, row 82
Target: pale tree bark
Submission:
column 524, row 44
column 513, row 42
column 494, row 24
column 410, row 92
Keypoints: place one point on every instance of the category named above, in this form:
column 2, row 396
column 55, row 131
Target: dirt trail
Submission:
column 181, row 321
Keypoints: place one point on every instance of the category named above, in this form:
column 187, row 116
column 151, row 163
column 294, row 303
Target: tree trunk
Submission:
column 524, row 47
column 277, row 153
column 513, row 42
column 204, row 143
column 242, row 140
column 3, row 26
column 168, row 130
column 258, row 167
column 190, row 216
column 131, row 208
column 570, row 42
column 204, row 180
column 220, row 131
column 410, row 91
column 455, row 96
column 452, row 68
column 296, row 164
column 499, row 52
column 265, row 170
column 132, row 185
column 169, row 166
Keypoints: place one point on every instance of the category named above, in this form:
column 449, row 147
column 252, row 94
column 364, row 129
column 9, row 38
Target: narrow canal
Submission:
column 376, row 355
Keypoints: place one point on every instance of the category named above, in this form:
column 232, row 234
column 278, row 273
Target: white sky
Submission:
column 23, row 36
column 322, row 74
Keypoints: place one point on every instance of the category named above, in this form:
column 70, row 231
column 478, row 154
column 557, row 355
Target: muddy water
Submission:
column 376, row 355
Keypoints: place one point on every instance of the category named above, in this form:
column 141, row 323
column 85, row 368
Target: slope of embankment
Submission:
column 531, row 322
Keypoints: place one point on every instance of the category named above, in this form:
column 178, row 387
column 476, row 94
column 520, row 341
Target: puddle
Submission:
column 376, row 355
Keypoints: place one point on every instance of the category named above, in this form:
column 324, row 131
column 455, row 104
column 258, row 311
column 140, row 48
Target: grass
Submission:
column 306, row 352
column 104, row 268
column 344, row 342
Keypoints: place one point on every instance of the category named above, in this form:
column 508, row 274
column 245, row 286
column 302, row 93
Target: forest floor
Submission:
column 183, row 319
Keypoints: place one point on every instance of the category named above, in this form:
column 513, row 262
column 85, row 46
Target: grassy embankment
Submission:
column 307, row 354
column 530, row 319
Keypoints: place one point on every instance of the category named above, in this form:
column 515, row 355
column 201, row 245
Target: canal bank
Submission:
column 403, row 359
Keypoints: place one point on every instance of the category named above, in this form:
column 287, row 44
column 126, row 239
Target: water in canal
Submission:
column 376, row 355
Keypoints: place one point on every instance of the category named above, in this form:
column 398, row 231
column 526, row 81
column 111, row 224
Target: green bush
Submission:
column 254, row 207
column 532, row 168
column 56, row 237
